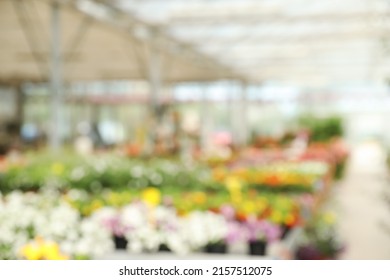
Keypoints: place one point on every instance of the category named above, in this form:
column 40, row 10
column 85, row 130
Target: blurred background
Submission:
column 194, row 129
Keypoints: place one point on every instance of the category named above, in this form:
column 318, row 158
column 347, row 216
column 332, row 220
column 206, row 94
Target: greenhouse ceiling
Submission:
column 307, row 41
column 95, row 44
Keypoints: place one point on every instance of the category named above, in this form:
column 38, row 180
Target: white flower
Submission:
column 134, row 216
column 25, row 216
column 135, row 246
column 82, row 247
column 77, row 173
column 77, row 194
column 68, row 247
column 201, row 228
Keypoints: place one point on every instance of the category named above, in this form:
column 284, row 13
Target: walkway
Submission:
column 362, row 211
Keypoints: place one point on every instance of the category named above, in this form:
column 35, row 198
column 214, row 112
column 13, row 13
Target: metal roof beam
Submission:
column 293, row 34
column 129, row 22
column 205, row 19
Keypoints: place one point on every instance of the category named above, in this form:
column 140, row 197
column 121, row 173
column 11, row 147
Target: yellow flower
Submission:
column 51, row 251
column 57, row 168
column 87, row 210
column 31, row 251
column 151, row 196
column 236, row 198
column 249, row 207
column 117, row 199
column 96, row 204
column 276, row 217
column 42, row 250
column 261, row 203
column 199, row 197
column 233, row 184
column 329, row 218
column 113, row 199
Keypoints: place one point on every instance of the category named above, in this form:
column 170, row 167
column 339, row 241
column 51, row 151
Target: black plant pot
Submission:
column 164, row 248
column 120, row 242
column 216, row 248
column 257, row 247
column 309, row 252
column 285, row 231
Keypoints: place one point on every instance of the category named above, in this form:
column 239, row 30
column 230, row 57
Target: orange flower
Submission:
column 290, row 220
column 272, row 180
column 219, row 174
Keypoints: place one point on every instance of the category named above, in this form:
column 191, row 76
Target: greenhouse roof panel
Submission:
column 258, row 37
column 98, row 42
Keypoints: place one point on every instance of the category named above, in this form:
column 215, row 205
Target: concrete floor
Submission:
column 363, row 213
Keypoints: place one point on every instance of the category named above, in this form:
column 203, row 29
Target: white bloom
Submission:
column 82, row 247
column 135, row 246
column 67, row 246
column 134, row 216
column 25, row 216
column 201, row 228
column 77, row 173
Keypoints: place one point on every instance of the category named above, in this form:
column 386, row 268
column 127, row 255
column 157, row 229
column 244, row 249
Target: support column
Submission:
column 19, row 113
column 204, row 118
column 240, row 116
column 245, row 114
column 19, row 104
column 55, row 133
column 154, row 72
column 233, row 120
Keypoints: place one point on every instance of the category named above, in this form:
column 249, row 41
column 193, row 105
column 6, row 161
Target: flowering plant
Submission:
column 146, row 228
column 277, row 176
column 23, row 217
column 235, row 228
column 262, row 230
column 320, row 240
column 104, row 172
column 40, row 249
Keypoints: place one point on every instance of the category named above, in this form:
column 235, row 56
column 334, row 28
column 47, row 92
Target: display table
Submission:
column 123, row 255
column 280, row 250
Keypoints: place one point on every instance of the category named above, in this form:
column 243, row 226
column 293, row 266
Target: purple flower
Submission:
column 262, row 230
column 236, row 232
column 228, row 212
column 114, row 225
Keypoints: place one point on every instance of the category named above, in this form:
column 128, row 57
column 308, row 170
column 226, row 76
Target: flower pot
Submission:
column 164, row 248
column 285, row 231
column 257, row 247
column 216, row 248
column 312, row 253
column 120, row 242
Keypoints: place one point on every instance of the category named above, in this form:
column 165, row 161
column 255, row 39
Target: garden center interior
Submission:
column 194, row 129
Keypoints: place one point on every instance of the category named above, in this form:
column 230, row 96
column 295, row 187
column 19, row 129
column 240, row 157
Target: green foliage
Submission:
column 322, row 129
column 340, row 170
column 320, row 233
column 96, row 173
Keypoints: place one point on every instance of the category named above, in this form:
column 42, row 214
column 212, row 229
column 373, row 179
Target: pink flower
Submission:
column 236, row 232
column 228, row 212
column 262, row 230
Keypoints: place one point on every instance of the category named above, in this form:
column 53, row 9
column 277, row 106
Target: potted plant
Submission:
column 218, row 247
column 259, row 234
column 216, row 228
column 110, row 218
column 319, row 240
